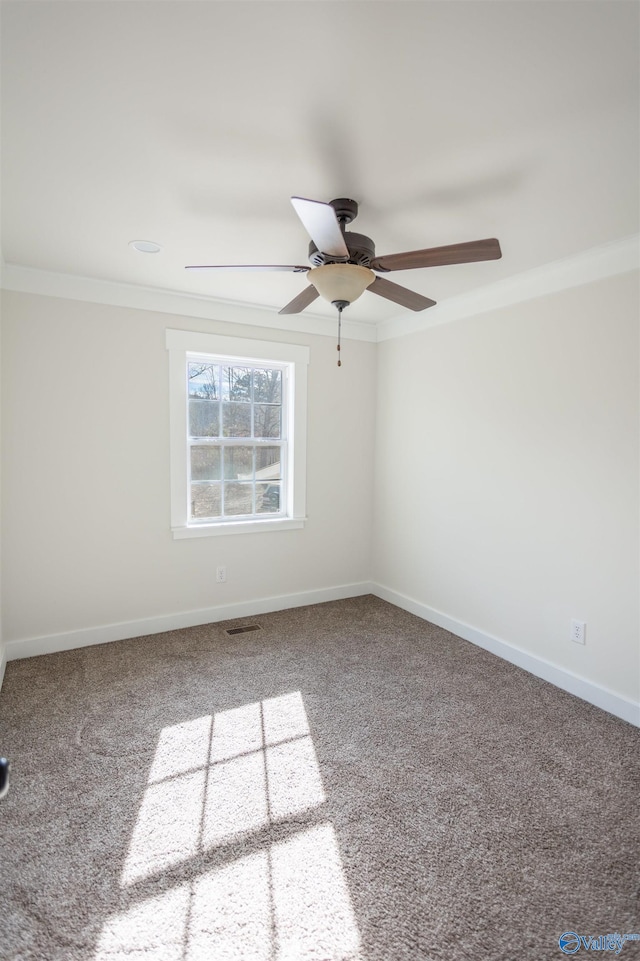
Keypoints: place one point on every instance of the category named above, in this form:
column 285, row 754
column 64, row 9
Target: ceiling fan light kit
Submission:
column 343, row 262
column 341, row 282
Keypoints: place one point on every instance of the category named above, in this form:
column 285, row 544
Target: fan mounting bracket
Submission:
column 346, row 210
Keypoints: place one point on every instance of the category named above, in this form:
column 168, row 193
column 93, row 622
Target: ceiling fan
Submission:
column 344, row 264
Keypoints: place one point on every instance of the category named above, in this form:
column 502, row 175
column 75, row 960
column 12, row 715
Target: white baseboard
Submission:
column 579, row 686
column 51, row 643
column 587, row 690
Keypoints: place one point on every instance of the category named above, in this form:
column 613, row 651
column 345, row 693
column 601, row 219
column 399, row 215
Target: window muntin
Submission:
column 237, row 439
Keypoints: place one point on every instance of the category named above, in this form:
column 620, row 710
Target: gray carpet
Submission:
column 348, row 782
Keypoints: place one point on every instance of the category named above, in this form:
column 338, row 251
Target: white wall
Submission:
column 505, row 499
column 86, row 532
column 507, row 476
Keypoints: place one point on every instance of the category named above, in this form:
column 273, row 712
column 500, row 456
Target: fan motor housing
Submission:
column 361, row 251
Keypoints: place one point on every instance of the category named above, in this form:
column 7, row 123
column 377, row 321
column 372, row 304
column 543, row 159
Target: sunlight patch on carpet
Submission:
column 312, row 906
column 220, row 782
column 168, row 827
column 153, row 928
column 287, row 903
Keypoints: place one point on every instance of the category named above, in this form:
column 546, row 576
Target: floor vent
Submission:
column 243, row 630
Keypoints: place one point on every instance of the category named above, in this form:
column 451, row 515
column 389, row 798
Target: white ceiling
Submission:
column 192, row 123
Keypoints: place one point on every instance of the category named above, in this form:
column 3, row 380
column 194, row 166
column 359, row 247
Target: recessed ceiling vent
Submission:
column 243, row 630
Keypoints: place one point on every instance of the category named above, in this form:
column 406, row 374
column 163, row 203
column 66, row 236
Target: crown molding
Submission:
column 608, row 260
column 46, row 283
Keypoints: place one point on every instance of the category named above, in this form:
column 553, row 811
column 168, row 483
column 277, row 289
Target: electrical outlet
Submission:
column 221, row 574
column 578, row 630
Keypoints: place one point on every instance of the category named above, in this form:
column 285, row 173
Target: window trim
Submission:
column 180, row 344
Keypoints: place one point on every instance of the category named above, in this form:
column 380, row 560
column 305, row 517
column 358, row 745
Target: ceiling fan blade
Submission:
column 303, row 300
column 468, row 253
column 322, row 225
column 400, row 295
column 288, row 267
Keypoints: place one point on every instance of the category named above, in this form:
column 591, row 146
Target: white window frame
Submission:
column 180, row 345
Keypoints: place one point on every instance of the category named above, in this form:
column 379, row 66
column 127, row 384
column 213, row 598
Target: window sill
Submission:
column 239, row 527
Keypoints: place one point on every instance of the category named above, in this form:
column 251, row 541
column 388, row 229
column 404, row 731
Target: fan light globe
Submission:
column 341, row 282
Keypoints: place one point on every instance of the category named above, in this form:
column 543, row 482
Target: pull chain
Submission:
column 340, row 305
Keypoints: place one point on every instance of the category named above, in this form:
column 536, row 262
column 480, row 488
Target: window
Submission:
column 237, row 436
column 238, row 424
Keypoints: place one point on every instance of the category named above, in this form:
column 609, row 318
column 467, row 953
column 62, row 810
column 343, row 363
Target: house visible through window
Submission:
column 238, row 425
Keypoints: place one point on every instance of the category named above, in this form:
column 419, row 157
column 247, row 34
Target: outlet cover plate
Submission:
column 578, row 631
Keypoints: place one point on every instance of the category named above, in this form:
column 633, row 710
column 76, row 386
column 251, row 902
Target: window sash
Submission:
column 223, row 442
column 255, row 482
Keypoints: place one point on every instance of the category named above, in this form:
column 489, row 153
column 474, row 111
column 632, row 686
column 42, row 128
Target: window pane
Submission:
column 267, row 386
column 203, row 381
column 266, row 420
column 204, row 418
column 268, row 463
column 236, row 419
column 236, row 384
column 267, row 498
column 238, row 463
column 205, row 500
column 238, row 498
column 205, row 463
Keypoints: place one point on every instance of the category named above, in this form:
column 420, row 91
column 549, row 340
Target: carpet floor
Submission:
column 346, row 783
